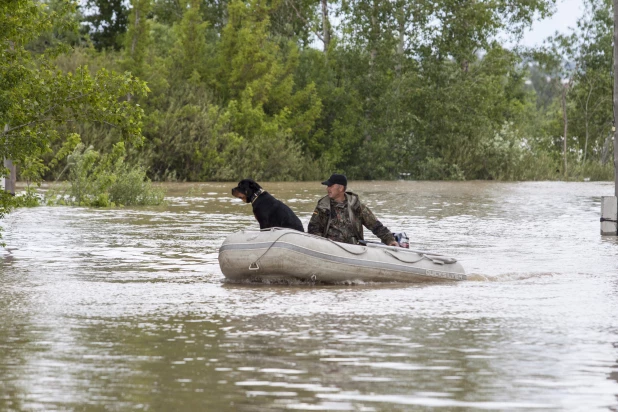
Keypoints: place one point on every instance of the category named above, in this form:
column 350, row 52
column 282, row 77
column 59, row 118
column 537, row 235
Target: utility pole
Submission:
column 609, row 204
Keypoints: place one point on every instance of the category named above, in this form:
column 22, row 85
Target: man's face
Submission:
column 335, row 191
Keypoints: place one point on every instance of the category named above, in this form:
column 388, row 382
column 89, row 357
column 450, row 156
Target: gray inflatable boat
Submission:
column 278, row 254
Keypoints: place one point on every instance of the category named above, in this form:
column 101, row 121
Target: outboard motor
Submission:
column 402, row 239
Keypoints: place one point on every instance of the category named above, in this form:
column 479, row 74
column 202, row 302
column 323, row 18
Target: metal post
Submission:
column 609, row 212
column 609, row 204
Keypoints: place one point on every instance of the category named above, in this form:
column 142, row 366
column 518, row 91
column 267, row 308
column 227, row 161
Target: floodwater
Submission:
column 127, row 309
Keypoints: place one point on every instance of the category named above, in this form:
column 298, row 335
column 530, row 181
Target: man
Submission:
column 340, row 216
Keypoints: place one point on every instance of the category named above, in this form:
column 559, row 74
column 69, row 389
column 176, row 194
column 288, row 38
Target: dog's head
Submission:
column 246, row 189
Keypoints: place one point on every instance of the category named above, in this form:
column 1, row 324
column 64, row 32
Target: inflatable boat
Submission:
column 283, row 254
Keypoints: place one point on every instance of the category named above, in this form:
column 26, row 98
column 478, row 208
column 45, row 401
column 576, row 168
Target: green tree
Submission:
column 187, row 134
column 580, row 65
column 592, row 50
column 106, row 22
column 189, row 52
column 239, row 88
column 255, row 75
column 36, row 98
column 138, row 37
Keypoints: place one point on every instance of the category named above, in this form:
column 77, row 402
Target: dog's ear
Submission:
column 253, row 185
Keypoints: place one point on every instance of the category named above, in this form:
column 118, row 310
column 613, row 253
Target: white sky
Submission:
column 566, row 15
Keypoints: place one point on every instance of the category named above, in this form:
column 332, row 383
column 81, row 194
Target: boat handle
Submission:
column 443, row 259
column 254, row 266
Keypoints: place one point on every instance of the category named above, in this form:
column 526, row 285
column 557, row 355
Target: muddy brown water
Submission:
column 127, row 309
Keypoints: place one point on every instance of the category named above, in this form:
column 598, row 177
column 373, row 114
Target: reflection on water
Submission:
column 127, row 309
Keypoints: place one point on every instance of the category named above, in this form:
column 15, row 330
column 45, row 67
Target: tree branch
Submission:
column 8, row 130
column 319, row 36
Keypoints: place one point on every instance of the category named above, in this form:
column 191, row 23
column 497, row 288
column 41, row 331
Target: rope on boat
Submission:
column 256, row 266
column 422, row 256
column 438, row 259
column 347, row 250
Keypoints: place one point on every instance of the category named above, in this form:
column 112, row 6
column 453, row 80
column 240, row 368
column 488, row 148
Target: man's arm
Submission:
column 372, row 223
column 316, row 224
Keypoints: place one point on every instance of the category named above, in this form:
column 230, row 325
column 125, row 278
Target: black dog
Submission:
column 268, row 211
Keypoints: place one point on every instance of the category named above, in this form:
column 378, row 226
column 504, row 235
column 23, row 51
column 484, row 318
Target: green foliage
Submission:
column 29, row 198
column 137, row 39
column 579, row 66
column 106, row 22
column 256, row 76
column 189, row 52
column 191, row 138
column 539, row 166
column 401, row 88
column 106, row 180
column 132, row 187
column 502, row 153
column 32, row 170
column 437, row 169
column 237, row 89
column 38, row 101
column 7, row 203
column 593, row 171
column 37, row 98
column 272, row 157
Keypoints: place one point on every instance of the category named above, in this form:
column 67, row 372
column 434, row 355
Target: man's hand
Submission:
column 393, row 243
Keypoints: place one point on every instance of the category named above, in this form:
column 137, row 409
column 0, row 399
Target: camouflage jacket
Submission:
column 343, row 222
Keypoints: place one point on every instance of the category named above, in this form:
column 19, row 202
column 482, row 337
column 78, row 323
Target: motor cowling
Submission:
column 402, row 239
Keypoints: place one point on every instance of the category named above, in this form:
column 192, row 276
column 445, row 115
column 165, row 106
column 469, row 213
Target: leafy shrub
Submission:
column 502, row 153
column 29, row 198
column 594, row 171
column 266, row 157
column 103, row 181
column 133, row 188
column 537, row 166
column 437, row 169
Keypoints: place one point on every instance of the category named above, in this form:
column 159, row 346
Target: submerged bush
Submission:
column 29, row 198
column 437, row 169
column 132, row 187
column 537, row 166
column 106, row 180
column 595, row 171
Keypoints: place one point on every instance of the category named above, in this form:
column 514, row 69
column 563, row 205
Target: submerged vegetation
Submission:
column 104, row 180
